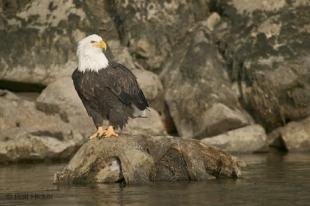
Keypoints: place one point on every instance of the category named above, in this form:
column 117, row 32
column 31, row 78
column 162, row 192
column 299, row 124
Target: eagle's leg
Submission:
column 100, row 132
column 109, row 132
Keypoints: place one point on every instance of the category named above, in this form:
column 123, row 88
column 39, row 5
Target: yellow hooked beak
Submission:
column 101, row 44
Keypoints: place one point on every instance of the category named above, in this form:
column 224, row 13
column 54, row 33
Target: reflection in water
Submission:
column 268, row 180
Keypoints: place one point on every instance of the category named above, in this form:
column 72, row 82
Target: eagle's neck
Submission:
column 92, row 61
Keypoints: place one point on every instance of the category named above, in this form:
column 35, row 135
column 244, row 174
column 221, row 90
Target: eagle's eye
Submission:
column 92, row 42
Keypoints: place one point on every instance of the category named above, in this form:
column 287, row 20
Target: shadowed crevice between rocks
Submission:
column 21, row 86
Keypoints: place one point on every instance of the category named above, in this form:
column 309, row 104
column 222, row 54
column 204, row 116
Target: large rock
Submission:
column 151, row 124
column 39, row 37
column 29, row 134
column 293, row 137
column 270, row 57
column 152, row 28
column 60, row 97
column 199, row 94
column 21, row 145
column 144, row 159
column 121, row 54
column 244, row 140
column 149, row 83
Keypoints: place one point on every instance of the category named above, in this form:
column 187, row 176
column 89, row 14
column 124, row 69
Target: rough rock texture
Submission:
column 152, row 88
column 294, row 137
column 244, row 140
column 149, row 83
column 61, row 97
column 151, row 124
column 20, row 145
column 213, row 20
column 144, row 159
column 30, row 134
column 266, row 45
column 199, row 94
column 39, row 37
column 152, row 28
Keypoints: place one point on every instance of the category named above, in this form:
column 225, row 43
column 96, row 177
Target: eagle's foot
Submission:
column 100, row 132
column 109, row 132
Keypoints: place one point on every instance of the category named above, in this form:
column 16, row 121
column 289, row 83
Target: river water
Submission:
column 269, row 179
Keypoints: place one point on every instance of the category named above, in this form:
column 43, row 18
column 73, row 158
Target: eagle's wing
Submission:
column 124, row 85
column 82, row 88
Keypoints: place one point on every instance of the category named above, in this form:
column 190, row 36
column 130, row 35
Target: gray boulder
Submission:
column 244, row 140
column 22, row 145
column 199, row 94
column 61, row 98
column 149, row 83
column 121, row 54
column 152, row 28
column 293, row 137
column 38, row 38
column 145, row 159
column 151, row 124
column 266, row 45
column 27, row 133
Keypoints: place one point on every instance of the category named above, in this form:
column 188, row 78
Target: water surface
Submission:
column 269, row 179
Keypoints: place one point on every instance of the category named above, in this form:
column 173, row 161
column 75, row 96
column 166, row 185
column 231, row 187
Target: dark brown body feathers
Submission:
column 109, row 94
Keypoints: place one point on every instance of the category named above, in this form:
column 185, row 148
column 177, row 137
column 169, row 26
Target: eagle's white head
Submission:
column 90, row 55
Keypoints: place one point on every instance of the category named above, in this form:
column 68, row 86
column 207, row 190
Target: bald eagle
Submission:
column 107, row 89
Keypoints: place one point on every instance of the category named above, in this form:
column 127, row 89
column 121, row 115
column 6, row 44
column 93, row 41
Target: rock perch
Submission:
column 143, row 159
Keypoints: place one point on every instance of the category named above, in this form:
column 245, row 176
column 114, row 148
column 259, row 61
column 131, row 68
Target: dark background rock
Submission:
column 38, row 38
column 266, row 46
column 152, row 28
column 199, row 93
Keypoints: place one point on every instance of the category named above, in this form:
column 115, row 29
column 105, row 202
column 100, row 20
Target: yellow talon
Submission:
column 109, row 132
column 100, row 132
